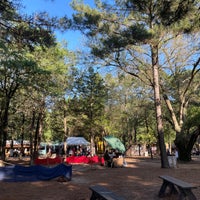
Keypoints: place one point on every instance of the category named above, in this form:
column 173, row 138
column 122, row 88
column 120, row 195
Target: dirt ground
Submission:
column 139, row 180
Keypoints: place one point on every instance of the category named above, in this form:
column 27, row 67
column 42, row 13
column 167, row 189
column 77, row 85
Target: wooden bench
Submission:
column 178, row 187
column 102, row 193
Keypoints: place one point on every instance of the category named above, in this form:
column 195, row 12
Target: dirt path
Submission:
column 139, row 180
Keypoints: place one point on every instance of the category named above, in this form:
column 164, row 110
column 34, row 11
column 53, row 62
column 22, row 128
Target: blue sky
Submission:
column 56, row 8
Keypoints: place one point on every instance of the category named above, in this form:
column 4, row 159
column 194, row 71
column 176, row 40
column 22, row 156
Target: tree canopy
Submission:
column 50, row 93
column 130, row 34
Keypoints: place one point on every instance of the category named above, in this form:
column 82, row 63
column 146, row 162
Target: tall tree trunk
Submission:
column 157, row 100
column 22, row 134
column 66, row 130
column 4, row 128
column 36, row 139
column 92, row 145
column 37, row 133
column 31, row 137
column 134, row 134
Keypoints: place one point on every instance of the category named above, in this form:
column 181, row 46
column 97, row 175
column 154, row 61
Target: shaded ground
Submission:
column 139, row 180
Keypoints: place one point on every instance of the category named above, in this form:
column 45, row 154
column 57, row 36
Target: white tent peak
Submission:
column 77, row 141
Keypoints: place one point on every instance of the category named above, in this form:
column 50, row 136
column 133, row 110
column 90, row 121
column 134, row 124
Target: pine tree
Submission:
column 120, row 31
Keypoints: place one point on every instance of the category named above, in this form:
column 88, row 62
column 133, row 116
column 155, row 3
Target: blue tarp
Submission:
column 18, row 173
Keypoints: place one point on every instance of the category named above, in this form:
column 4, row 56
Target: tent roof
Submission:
column 115, row 143
column 77, row 141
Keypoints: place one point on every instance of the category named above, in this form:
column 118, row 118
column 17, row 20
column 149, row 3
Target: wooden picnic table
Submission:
column 102, row 193
column 176, row 186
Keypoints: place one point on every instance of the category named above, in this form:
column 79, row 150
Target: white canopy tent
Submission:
column 73, row 141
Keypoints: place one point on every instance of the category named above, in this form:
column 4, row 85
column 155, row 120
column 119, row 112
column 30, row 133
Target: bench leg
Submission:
column 172, row 189
column 162, row 189
column 96, row 196
column 93, row 196
column 186, row 193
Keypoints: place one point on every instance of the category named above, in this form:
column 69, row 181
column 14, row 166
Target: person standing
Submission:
column 107, row 159
column 176, row 156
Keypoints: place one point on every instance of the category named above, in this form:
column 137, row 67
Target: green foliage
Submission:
column 122, row 34
column 193, row 117
column 88, row 100
column 116, row 26
column 24, row 31
column 54, row 128
column 129, row 110
column 119, row 27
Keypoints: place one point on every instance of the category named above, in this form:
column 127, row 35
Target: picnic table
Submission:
column 176, row 186
column 102, row 193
